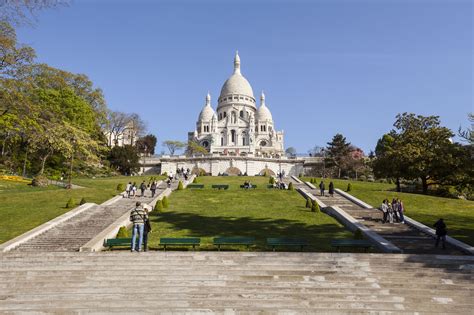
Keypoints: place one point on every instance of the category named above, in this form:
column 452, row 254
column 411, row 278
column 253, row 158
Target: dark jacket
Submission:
column 440, row 228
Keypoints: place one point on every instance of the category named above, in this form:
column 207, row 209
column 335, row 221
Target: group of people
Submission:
column 131, row 189
column 141, row 227
column 322, row 188
column 247, row 184
column 393, row 212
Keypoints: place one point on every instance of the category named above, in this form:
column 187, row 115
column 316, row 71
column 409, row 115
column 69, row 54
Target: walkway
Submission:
column 405, row 237
column 78, row 230
column 235, row 282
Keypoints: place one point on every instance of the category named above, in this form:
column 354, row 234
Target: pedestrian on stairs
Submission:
column 134, row 190
column 137, row 216
column 128, row 189
column 142, row 189
column 440, row 232
column 331, row 189
column 384, row 208
column 153, row 189
column 322, row 187
column 401, row 209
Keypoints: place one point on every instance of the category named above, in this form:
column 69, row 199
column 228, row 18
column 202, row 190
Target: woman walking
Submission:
column 331, row 189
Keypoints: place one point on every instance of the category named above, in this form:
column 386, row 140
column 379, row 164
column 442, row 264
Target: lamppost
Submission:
column 324, row 161
column 144, row 158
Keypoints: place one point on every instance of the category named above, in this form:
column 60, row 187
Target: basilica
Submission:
column 237, row 127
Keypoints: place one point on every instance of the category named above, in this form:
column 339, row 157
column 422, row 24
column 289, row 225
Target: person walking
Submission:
column 401, row 209
column 331, row 189
column 395, row 210
column 137, row 216
column 384, row 208
column 153, row 189
column 142, row 189
column 134, row 190
column 440, row 232
column 128, row 189
column 322, row 187
column 390, row 212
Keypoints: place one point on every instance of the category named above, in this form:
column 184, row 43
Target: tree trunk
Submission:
column 424, row 182
column 399, row 187
column 24, row 162
column 339, row 172
column 43, row 163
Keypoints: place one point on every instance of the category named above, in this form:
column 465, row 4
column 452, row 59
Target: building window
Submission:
column 205, row 144
column 222, row 141
column 232, row 136
column 220, row 116
column 243, row 140
column 263, row 143
column 241, row 114
column 225, row 114
column 234, row 117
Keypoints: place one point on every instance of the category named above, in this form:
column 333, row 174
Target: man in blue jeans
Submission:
column 137, row 216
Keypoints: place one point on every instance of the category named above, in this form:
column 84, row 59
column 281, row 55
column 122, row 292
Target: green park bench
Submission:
column 220, row 186
column 180, row 241
column 118, row 242
column 198, row 186
column 235, row 240
column 351, row 244
column 287, row 242
column 253, row 186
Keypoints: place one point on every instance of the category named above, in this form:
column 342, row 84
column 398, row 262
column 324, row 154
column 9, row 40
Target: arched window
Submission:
column 263, row 143
column 241, row 114
column 233, row 117
column 205, row 144
column 225, row 114
column 220, row 116
column 232, row 136
column 222, row 141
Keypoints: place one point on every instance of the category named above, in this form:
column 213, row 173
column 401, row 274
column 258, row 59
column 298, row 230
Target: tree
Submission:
column 316, row 151
column 193, row 147
column 24, row 11
column 147, row 144
column 125, row 159
column 173, row 145
column 468, row 134
column 338, row 152
column 418, row 148
column 290, row 152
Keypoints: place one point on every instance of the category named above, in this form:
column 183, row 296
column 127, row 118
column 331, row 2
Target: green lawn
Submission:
column 23, row 207
column 458, row 214
column 259, row 213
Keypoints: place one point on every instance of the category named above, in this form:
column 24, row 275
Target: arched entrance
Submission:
column 198, row 171
column 266, row 172
column 233, row 171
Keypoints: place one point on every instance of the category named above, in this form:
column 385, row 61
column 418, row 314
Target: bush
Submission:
column 70, row 203
column 195, row 180
column 358, row 235
column 40, row 181
column 180, row 185
column 362, row 178
column 301, row 175
column 271, row 180
column 308, row 203
column 349, row 187
column 202, row 173
column 345, row 177
column 165, row 174
column 159, row 206
column 370, row 178
column 83, row 201
column 290, row 186
column 120, row 188
column 165, row 202
column 315, row 207
column 123, row 233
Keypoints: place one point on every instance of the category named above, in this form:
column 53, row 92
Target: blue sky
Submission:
column 327, row 67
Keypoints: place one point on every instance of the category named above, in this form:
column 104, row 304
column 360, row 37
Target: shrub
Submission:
column 165, row 174
column 308, row 203
column 345, row 177
column 265, row 173
column 123, row 233
column 271, row 180
column 362, row 178
column 370, row 178
column 358, row 235
column 180, row 185
column 83, row 201
column 40, row 181
column 120, row 188
column 315, row 207
column 165, row 202
column 290, row 186
column 390, row 181
column 159, row 206
column 349, row 187
column 70, row 203
column 301, row 175
column 195, row 180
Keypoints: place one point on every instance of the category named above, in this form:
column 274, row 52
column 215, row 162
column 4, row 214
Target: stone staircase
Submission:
column 405, row 237
column 235, row 282
column 78, row 230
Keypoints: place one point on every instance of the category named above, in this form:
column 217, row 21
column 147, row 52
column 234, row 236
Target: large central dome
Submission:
column 236, row 84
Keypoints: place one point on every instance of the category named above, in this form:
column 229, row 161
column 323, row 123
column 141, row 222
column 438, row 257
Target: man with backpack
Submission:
column 142, row 189
column 138, row 218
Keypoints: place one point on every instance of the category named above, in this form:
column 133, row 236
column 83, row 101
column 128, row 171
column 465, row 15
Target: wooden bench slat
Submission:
column 286, row 241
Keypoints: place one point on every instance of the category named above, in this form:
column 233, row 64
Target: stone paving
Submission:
column 235, row 282
column 405, row 237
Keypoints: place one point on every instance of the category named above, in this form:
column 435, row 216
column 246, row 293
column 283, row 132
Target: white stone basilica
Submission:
column 237, row 127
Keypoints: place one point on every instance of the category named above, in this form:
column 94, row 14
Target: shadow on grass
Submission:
column 319, row 236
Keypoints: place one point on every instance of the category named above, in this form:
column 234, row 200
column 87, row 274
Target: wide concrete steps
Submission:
column 228, row 282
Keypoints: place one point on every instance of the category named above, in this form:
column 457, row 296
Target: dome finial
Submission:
column 208, row 99
column 237, row 63
column 262, row 99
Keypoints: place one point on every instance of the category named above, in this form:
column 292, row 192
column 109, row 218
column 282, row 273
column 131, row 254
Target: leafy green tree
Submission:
column 125, row 159
column 174, row 146
column 338, row 153
column 193, row 147
column 146, row 145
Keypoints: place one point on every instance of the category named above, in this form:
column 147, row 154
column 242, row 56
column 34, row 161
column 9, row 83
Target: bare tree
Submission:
column 17, row 12
column 117, row 123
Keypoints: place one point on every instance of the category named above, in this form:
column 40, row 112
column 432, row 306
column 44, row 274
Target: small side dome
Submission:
column 207, row 112
column 263, row 113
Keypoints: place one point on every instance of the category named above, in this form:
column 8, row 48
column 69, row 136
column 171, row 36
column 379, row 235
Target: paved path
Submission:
column 405, row 237
column 80, row 229
column 235, row 282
